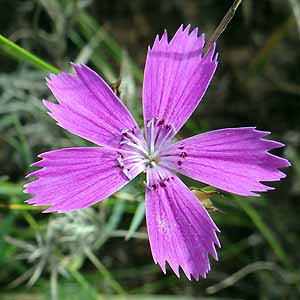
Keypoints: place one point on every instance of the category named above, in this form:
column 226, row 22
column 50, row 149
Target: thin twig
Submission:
column 235, row 277
column 221, row 27
column 295, row 4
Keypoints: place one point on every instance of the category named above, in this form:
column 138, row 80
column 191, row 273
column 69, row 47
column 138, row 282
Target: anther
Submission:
column 150, row 122
column 127, row 174
column 183, row 154
column 154, row 186
column 120, row 161
column 120, row 155
column 160, row 122
column 162, row 184
column 148, row 186
column 179, row 163
column 126, row 130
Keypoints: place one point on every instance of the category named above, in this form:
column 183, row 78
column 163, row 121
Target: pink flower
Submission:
column 236, row 160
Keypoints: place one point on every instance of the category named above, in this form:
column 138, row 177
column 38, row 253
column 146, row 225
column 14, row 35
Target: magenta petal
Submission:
column 88, row 107
column 180, row 230
column 75, row 178
column 233, row 159
column 176, row 77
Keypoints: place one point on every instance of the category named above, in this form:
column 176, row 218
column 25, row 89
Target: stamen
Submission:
column 162, row 184
column 165, row 138
column 138, row 168
column 160, row 131
column 157, row 178
column 161, row 174
column 127, row 174
column 134, row 157
column 129, row 133
column 142, row 162
column 183, row 154
column 161, row 122
column 148, row 186
column 158, row 140
column 152, row 134
column 140, row 148
column 120, row 150
column 120, row 161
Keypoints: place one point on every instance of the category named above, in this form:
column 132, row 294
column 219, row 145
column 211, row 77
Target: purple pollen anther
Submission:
column 161, row 122
column 162, row 184
column 181, row 147
column 120, row 155
column 179, row 163
column 183, row 154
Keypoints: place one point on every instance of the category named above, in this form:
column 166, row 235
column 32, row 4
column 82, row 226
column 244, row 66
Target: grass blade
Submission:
column 89, row 26
column 105, row 273
column 266, row 232
column 137, row 220
column 17, row 52
column 90, row 290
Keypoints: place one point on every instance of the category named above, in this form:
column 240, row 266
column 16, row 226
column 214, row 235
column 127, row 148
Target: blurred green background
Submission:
column 102, row 252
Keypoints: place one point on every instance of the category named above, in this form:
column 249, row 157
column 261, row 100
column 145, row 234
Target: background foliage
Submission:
column 83, row 255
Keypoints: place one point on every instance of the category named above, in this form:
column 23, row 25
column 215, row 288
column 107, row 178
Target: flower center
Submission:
column 153, row 160
column 136, row 154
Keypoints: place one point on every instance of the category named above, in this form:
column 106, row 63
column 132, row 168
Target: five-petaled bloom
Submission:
column 175, row 79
